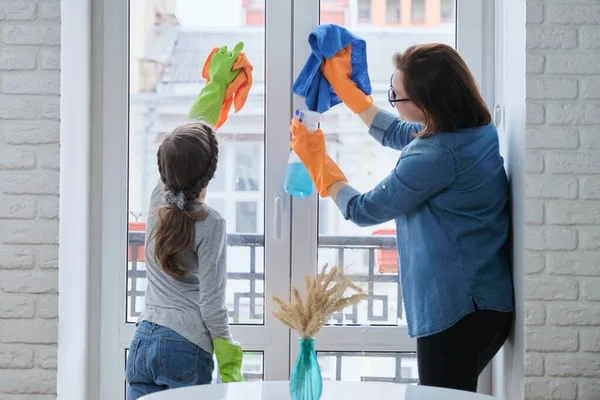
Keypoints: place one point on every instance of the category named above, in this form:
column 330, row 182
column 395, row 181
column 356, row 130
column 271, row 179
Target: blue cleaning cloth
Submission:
column 325, row 41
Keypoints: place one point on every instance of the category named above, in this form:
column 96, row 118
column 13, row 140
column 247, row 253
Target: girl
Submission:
column 185, row 318
column 448, row 195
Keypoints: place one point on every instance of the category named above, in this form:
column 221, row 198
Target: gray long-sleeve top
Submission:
column 193, row 306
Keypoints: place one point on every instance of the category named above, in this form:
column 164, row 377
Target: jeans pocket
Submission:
column 206, row 367
column 131, row 359
column 178, row 359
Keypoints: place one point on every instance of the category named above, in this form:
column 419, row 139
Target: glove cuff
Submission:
column 359, row 103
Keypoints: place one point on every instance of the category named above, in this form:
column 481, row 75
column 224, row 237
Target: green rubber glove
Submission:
column 218, row 74
column 229, row 358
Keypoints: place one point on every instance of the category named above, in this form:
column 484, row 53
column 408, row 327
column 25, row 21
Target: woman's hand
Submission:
column 311, row 149
column 338, row 72
column 335, row 189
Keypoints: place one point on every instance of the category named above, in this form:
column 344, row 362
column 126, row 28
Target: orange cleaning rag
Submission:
column 238, row 89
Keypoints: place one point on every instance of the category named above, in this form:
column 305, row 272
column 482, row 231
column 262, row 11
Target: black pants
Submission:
column 454, row 358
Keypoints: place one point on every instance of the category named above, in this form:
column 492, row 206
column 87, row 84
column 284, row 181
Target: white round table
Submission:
column 278, row 390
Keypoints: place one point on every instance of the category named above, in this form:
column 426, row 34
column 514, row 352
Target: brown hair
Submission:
column 439, row 83
column 187, row 161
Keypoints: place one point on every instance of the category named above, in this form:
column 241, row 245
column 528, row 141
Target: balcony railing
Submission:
column 369, row 276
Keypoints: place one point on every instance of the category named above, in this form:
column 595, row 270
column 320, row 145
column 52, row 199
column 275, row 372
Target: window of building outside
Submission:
column 364, row 11
column 417, row 11
column 237, row 178
column 447, row 10
column 392, row 11
column 246, row 217
column 247, row 166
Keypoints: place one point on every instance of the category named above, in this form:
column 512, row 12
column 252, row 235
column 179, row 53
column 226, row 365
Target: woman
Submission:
column 448, row 195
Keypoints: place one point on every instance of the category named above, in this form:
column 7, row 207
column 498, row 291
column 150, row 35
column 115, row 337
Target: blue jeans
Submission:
column 160, row 359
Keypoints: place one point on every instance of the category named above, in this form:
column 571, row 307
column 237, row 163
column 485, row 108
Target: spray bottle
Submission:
column 297, row 180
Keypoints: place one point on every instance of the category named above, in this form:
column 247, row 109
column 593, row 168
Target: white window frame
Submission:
column 109, row 183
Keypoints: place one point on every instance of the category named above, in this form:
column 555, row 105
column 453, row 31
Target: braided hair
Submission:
column 187, row 161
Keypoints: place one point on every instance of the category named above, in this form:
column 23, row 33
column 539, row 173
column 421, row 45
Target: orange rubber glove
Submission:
column 338, row 72
column 310, row 148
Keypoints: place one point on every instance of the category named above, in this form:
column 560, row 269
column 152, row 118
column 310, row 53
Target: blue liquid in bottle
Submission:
column 297, row 180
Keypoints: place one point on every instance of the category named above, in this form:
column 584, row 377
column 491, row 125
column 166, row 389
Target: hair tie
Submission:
column 178, row 199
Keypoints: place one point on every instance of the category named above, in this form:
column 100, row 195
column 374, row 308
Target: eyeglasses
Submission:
column 393, row 96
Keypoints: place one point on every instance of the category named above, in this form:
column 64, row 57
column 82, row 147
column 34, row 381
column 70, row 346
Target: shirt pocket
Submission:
column 178, row 359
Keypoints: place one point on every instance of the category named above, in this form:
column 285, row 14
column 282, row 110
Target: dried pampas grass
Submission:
column 325, row 295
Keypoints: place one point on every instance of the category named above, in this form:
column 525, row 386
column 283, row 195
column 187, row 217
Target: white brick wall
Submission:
column 562, row 289
column 29, row 160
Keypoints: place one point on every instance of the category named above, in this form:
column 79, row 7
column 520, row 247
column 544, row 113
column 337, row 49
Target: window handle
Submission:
column 498, row 116
column 277, row 215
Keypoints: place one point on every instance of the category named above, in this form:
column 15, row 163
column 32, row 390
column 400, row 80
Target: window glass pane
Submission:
column 369, row 367
column 219, row 182
column 247, row 166
column 245, row 287
column 245, row 217
column 252, row 367
column 217, row 203
column 169, row 43
column 369, row 254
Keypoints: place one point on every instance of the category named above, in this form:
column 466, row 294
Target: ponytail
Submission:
column 174, row 233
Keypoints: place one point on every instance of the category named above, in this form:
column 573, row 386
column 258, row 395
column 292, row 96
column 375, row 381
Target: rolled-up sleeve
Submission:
column 418, row 175
column 390, row 131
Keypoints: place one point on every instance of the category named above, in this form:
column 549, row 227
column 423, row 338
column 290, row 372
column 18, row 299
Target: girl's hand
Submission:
column 229, row 359
column 218, row 72
column 219, row 65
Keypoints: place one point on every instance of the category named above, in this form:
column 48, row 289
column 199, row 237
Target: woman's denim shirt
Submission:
column 448, row 195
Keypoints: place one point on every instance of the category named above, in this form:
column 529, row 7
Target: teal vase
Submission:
column 306, row 382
